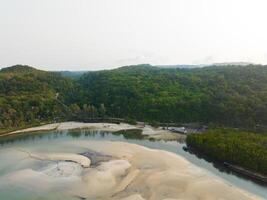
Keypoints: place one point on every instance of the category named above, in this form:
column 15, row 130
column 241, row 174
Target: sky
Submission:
column 103, row 34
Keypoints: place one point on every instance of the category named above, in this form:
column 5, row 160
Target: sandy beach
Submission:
column 132, row 172
column 161, row 175
column 104, row 170
column 147, row 131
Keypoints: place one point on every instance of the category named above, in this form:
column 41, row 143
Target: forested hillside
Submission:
column 219, row 95
column 29, row 96
column 223, row 95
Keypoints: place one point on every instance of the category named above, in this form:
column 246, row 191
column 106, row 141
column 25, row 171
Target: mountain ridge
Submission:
column 20, row 69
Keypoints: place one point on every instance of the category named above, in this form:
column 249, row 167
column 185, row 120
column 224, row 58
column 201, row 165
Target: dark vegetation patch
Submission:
column 130, row 133
column 248, row 150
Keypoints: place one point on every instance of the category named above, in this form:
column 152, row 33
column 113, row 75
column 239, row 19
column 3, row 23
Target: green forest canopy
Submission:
column 229, row 95
column 28, row 96
column 220, row 95
column 248, row 150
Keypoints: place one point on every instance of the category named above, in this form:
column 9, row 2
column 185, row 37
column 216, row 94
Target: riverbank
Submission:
column 129, row 172
column 164, row 175
column 234, row 148
column 147, row 131
column 225, row 166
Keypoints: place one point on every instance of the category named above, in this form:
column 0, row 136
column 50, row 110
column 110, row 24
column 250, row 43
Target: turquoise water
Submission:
column 49, row 141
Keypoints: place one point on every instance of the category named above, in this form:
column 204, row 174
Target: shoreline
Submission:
column 163, row 167
column 238, row 170
column 147, row 131
column 134, row 172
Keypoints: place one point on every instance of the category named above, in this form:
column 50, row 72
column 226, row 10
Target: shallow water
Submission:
column 50, row 142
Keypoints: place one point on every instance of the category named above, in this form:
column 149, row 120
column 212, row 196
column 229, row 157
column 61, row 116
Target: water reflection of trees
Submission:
column 86, row 133
column 31, row 136
column 223, row 169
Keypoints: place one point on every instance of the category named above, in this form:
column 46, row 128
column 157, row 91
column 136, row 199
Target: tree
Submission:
column 102, row 110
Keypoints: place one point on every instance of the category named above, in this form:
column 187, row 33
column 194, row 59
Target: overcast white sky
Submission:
column 97, row 34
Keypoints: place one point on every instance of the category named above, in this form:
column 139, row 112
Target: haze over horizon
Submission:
column 102, row 34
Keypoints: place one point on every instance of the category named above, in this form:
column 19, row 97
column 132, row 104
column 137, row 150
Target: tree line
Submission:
column 248, row 150
column 29, row 96
column 234, row 96
column 227, row 95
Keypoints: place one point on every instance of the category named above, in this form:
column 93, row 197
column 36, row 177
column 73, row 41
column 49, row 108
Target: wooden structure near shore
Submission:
column 241, row 170
column 235, row 168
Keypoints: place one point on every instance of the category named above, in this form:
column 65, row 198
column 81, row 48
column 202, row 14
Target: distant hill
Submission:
column 72, row 74
column 206, row 65
column 19, row 69
column 224, row 95
column 233, row 64
column 29, row 96
column 132, row 68
column 180, row 66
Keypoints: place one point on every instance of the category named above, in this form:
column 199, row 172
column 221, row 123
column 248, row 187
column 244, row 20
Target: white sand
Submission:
column 134, row 173
column 137, row 173
column 164, row 175
column 133, row 197
column 82, row 160
column 46, row 127
column 77, row 125
column 148, row 131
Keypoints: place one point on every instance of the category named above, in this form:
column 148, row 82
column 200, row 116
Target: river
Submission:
column 49, row 139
